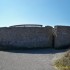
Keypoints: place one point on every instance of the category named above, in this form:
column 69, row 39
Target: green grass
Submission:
column 64, row 62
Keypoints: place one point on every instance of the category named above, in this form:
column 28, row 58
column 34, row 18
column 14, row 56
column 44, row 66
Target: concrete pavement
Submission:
column 40, row 59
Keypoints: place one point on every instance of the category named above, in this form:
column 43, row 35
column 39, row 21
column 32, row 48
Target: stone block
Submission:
column 26, row 37
column 61, row 36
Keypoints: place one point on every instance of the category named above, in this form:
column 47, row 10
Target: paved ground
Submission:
column 28, row 59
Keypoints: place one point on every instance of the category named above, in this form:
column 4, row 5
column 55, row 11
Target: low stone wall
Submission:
column 61, row 36
column 26, row 37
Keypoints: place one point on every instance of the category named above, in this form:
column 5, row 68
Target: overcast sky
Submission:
column 45, row 12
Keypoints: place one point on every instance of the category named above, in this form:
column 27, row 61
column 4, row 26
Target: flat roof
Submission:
column 27, row 25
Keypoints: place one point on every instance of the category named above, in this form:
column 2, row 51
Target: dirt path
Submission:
column 28, row 59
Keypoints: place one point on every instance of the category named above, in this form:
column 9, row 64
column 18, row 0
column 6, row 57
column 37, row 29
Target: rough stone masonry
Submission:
column 27, row 37
column 35, row 37
column 61, row 36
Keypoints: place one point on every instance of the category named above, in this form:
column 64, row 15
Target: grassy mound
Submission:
column 64, row 62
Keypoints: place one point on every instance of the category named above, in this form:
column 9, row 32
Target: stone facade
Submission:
column 26, row 37
column 35, row 37
column 61, row 36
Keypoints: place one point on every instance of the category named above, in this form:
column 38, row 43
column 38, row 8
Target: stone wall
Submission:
column 26, row 37
column 61, row 36
column 35, row 37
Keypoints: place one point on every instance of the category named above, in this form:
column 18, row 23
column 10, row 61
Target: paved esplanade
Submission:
column 27, row 59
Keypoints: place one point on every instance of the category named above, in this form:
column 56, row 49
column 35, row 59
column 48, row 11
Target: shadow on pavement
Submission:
column 34, row 51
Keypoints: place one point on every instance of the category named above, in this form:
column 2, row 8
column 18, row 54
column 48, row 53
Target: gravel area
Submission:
column 41, row 59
